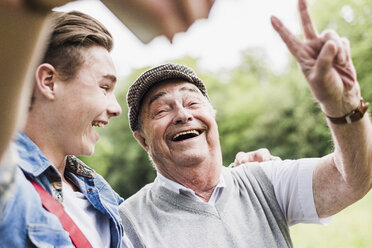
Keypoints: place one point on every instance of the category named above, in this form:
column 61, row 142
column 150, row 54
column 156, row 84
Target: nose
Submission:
column 114, row 108
column 182, row 115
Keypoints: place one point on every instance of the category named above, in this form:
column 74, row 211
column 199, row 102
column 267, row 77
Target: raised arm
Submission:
column 344, row 176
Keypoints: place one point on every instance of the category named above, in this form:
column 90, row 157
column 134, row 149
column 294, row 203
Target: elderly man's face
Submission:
column 178, row 126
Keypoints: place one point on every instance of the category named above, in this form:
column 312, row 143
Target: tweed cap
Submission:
column 151, row 77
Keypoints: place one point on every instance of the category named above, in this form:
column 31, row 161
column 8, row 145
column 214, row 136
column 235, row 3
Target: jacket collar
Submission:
column 33, row 161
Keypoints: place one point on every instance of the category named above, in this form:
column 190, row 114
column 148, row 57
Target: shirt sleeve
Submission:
column 292, row 182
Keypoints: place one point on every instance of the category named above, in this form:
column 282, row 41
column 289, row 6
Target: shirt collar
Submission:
column 179, row 188
column 30, row 155
column 78, row 167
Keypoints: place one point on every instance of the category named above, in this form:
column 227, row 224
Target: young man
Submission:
column 23, row 36
column 73, row 94
column 196, row 202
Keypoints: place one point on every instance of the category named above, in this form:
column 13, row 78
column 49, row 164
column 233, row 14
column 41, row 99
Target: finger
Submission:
column 349, row 68
column 346, row 45
column 347, row 74
column 239, row 158
column 262, row 155
column 239, row 154
column 325, row 59
column 247, row 157
column 308, row 26
column 292, row 42
column 164, row 15
column 194, row 9
column 275, row 158
column 341, row 50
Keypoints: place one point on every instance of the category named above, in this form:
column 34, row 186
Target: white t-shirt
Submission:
column 293, row 185
column 94, row 225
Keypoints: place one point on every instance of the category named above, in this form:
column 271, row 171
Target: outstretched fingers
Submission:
column 308, row 27
column 292, row 42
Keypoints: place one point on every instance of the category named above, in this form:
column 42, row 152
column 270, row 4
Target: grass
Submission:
column 351, row 228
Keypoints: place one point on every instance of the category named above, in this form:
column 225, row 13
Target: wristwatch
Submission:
column 353, row 116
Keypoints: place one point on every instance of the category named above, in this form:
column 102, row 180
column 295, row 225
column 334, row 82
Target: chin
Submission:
column 90, row 152
column 190, row 160
column 86, row 151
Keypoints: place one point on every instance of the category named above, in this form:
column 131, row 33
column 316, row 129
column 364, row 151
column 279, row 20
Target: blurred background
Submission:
column 260, row 95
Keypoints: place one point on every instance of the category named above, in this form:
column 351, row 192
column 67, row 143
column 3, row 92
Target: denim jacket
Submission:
column 23, row 220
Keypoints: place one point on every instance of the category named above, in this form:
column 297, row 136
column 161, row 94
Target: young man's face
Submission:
column 179, row 126
column 85, row 101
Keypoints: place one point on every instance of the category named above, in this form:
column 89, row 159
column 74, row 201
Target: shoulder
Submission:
column 138, row 199
column 247, row 173
column 17, row 196
column 277, row 169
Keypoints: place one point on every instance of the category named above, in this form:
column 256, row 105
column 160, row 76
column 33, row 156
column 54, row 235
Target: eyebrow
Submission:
column 191, row 89
column 110, row 77
column 162, row 93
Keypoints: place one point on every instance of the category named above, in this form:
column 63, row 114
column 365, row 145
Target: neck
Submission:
column 39, row 134
column 202, row 179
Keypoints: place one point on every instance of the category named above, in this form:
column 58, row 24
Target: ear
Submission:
column 45, row 79
column 140, row 137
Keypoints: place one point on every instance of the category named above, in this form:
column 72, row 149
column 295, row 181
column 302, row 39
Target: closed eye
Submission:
column 159, row 113
column 193, row 104
column 105, row 87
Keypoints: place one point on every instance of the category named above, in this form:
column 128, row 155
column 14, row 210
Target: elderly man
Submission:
column 196, row 202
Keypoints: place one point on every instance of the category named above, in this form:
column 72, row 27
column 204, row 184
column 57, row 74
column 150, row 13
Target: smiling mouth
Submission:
column 186, row 135
column 98, row 124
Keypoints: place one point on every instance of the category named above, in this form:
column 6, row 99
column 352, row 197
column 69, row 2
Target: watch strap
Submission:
column 352, row 116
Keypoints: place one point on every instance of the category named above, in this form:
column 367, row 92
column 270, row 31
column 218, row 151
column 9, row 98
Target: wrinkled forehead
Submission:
column 168, row 86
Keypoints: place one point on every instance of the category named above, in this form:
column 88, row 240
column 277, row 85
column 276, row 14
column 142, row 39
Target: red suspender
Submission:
column 53, row 206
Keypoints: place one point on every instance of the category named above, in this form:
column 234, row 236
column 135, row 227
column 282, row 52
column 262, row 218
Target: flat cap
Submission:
column 151, row 77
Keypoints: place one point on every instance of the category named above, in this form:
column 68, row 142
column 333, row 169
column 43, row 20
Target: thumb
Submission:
column 326, row 57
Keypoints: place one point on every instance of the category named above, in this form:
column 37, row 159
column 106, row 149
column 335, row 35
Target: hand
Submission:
column 39, row 6
column 325, row 61
column 260, row 155
column 149, row 18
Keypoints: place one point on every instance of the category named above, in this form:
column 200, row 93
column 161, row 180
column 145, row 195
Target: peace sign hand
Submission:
column 325, row 61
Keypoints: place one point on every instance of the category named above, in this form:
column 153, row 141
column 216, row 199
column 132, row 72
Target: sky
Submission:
column 232, row 27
